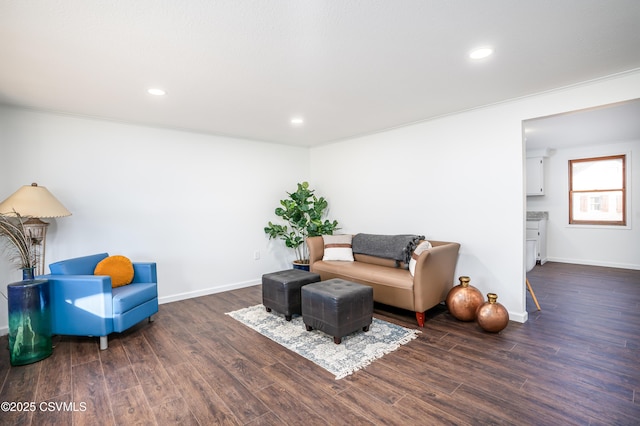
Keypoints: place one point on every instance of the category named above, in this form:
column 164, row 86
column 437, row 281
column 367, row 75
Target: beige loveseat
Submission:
column 395, row 286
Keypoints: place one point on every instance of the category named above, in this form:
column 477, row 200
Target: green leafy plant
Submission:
column 16, row 241
column 303, row 213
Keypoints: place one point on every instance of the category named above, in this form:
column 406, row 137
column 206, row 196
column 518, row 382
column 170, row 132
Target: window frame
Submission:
column 616, row 223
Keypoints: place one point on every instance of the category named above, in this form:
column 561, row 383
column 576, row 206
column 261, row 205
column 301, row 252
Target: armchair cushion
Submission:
column 128, row 297
column 119, row 268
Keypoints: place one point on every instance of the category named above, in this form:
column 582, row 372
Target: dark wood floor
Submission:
column 575, row 362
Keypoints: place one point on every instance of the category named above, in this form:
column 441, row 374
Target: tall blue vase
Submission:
column 29, row 321
column 28, row 273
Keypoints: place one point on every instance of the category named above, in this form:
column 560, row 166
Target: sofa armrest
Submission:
column 81, row 304
column 144, row 272
column 316, row 249
column 434, row 274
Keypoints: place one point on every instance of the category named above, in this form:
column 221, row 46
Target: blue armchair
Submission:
column 83, row 304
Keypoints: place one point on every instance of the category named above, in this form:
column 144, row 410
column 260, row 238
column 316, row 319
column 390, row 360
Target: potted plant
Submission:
column 17, row 243
column 303, row 212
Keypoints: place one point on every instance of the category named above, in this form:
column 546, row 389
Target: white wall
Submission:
column 591, row 245
column 195, row 204
column 456, row 178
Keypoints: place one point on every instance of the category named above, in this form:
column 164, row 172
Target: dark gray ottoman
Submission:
column 337, row 307
column 281, row 290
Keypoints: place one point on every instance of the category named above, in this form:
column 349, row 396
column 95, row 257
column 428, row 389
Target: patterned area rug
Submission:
column 356, row 351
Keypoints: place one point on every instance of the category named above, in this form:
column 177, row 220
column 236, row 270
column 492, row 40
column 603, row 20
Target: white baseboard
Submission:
column 521, row 317
column 207, row 291
column 595, row 263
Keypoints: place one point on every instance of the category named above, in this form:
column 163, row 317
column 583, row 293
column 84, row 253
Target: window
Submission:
column 597, row 191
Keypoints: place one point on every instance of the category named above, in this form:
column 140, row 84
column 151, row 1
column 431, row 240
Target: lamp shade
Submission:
column 33, row 201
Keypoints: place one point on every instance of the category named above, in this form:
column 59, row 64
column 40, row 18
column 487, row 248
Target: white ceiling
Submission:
column 245, row 68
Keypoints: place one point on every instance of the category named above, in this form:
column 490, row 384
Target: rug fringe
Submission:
column 413, row 334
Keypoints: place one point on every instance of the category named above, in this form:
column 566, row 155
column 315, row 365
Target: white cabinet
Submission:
column 537, row 229
column 535, row 176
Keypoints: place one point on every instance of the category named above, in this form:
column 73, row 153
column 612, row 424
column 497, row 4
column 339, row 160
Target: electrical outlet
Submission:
column 256, row 255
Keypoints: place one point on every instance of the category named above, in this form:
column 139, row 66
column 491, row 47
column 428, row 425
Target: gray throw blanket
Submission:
column 397, row 247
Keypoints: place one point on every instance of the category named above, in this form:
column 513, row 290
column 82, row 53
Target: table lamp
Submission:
column 35, row 202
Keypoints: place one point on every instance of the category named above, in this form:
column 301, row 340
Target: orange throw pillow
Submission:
column 119, row 268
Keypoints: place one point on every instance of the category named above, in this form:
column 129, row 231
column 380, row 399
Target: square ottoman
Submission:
column 281, row 290
column 337, row 307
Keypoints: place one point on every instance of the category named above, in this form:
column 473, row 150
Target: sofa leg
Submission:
column 151, row 318
column 420, row 318
column 104, row 343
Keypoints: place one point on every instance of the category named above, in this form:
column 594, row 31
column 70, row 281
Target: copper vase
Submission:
column 492, row 316
column 463, row 300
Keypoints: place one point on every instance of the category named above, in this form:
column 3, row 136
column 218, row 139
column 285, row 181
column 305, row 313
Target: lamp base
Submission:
column 37, row 230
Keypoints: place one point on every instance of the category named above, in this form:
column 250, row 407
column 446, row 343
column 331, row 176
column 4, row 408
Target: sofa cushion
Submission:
column 119, row 268
column 423, row 246
column 337, row 247
column 358, row 271
column 374, row 260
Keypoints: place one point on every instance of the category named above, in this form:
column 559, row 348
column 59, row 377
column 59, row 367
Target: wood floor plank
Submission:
column 131, row 408
column 174, row 412
column 284, row 403
column 163, row 345
column 379, row 413
column 90, row 389
column 577, row 400
column 245, row 406
column 207, row 406
column 381, row 390
column 410, row 361
column 5, row 358
column 426, row 413
column 117, row 369
column 151, row 374
column 178, row 332
column 55, row 378
column 431, row 397
column 517, row 407
column 243, row 368
column 316, row 398
column 56, row 411
column 20, row 387
column 84, row 349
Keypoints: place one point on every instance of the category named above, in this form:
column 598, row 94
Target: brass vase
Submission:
column 492, row 316
column 463, row 300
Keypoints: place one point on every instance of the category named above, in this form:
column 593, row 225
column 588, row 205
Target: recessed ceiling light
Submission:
column 297, row 121
column 156, row 92
column 481, row 52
